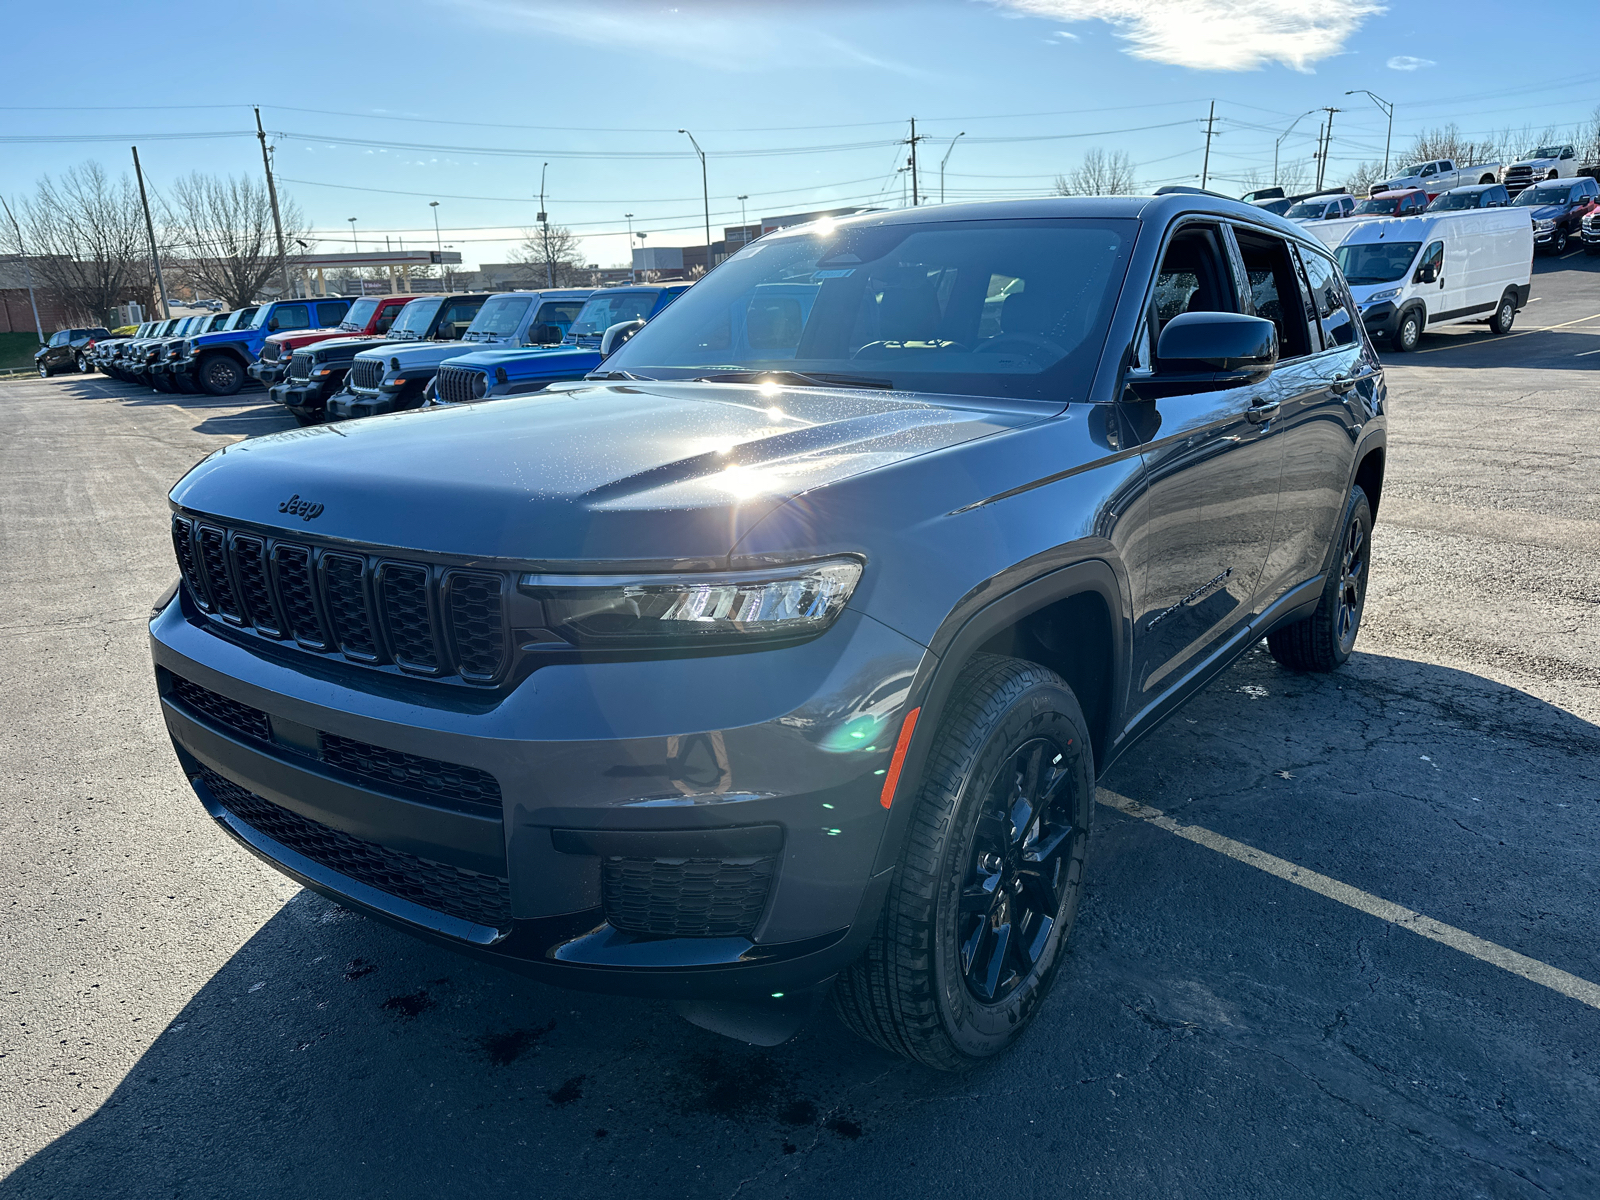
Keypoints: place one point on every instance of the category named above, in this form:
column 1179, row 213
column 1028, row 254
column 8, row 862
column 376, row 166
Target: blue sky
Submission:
column 375, row 109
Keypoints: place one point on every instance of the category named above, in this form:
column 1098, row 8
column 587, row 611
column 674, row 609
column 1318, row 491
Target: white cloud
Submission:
column 1405, row 62
column 1218, row 35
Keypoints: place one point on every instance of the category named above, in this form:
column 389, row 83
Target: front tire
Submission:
column 1323, row 641
column 987, row 885
column 82, row 364
column 220, row 375
column 1558, row 242
column 1408, row 333
column 1504, row 315
column 44, row 371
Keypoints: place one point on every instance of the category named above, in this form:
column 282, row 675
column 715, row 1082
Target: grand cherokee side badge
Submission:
column 303, row 509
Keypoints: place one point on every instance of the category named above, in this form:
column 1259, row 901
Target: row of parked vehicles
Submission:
column 336, row 358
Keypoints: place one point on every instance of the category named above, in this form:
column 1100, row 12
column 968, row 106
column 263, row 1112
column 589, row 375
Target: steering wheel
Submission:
column 900, row 346
column 1028, row 342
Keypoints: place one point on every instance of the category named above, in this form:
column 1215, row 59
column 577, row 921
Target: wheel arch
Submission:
column 1072, row 620
column 232, row 349
column 1369, row 473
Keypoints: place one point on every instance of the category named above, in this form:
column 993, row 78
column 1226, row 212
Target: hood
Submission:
column 220, row 335
column 352, row 344
column 1548, row 212
column 661, row 472
column 420, row 354
column 532, row 362
column 1535, row 162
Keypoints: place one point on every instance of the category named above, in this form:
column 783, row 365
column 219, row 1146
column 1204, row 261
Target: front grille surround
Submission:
column 420, row 618
column 300, row 365
column 456, row 385
column 366, row 374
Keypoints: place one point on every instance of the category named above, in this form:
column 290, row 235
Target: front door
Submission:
column 1211, row 464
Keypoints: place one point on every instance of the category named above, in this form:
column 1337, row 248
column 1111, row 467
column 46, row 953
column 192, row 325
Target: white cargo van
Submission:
column 1408, row 274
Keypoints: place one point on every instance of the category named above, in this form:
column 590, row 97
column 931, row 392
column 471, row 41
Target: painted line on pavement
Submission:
column 1530, row 969
column 1586, row 354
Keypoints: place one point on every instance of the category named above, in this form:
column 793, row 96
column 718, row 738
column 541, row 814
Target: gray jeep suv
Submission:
column 783, row 653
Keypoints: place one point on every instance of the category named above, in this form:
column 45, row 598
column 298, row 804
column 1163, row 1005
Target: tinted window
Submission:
column 331, row 312
column 1376, row 208
column 499, row 316
column 1432, row 258
column 602, row 312
column 60, row 337
column 416, row 317
column 457, row 319
column 359, row 313
column 1543, row 193
column 290, row 316
column 1376, row 262
column 1275, row 290
column 1307, row 210
column 1329, row 298
column 1003, row 307
column 561, row 313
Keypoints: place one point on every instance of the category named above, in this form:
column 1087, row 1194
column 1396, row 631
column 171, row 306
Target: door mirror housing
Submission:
column 1210, row 351
column 1427, row 274
column 617, row 334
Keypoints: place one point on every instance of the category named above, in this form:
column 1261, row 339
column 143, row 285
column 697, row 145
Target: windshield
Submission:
column 1453, row 200
column 243, row 319
column 560, row 313
column 360, row 313
column 498, row 318
column 1376, row 262
column 602, row 312
column 1547, row 152
column 1413, row 169
column 1374, row 207
column 1308, row 208
column 415, row 318
column 1014, row 308
column 1544, row 193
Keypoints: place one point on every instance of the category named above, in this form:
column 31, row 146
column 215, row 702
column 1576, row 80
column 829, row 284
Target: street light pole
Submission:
column 744, row 221
column 26, row 270
column 632, row 276
column 544, row 224
column 1279, row 143
column 1388, row 111
column 705, row 190
column 946, row 159
column 438, row 241
column 150, row 228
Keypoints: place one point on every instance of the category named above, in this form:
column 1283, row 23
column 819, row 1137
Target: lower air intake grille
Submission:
column 676, row 897
column 454, row 891
column 240, row 718
column 464, row 786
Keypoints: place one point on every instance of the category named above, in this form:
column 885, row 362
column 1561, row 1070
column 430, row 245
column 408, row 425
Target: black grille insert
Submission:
column 240, row 718
column 345, row 585
column 403, row 596
column 466, row 786
column 454, row 385
column 686, row 897
column 183, row 545
column 250, row 557
column 454, row 891
column 214, row 561
column 476, row 623
column 292, row 567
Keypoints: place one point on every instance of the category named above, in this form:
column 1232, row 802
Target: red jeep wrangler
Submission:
column 370, row 316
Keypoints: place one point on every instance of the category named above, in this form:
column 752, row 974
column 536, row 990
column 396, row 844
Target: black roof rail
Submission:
column 1178, row 189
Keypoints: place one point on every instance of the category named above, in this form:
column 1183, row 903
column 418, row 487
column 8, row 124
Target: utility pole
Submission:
column 1388, row 111
column 26, row 270
column 946, row 159
column 1327, row 143
column 705, row 191
column 1205, row 167
column 272, row 194
column 150, row 228
column 544, row 225
column 914, row 139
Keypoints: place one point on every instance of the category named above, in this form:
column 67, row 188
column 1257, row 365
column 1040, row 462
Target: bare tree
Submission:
column 1359, row 182
column 85, row 240
column 1100, row 174
column 554, row 251
column 222, row 234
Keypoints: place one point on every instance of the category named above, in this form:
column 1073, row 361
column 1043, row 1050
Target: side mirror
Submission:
column 272, row 325
column 544, row 335
column 617, row 334
column 1427, row 273
column 1212, row 351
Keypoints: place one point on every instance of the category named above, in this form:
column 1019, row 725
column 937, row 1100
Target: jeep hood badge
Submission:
column 303, row 509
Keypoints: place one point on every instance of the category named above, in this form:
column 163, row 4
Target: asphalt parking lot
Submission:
column 176, row 1020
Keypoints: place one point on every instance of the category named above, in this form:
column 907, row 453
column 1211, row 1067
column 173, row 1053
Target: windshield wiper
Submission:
column 797, row 377
column 620, row 376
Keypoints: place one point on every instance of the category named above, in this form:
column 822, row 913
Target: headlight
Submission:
column 1386, row 294
column 689, row 611
column 1542, row 226
column 480, row 385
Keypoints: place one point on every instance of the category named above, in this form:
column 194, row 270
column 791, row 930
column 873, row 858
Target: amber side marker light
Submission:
column 899, row 760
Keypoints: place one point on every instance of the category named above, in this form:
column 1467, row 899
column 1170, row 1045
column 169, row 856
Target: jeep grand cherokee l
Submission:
column 785, row 652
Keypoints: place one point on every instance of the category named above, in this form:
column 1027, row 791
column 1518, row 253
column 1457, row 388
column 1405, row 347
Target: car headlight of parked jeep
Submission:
column 695, row 610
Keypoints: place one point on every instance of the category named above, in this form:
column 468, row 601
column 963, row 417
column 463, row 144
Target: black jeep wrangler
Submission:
column 783, row 653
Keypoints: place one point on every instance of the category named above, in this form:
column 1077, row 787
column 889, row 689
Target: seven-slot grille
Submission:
column 423, row 619
column 300, row 365
column 455, row 385
column 366, row 374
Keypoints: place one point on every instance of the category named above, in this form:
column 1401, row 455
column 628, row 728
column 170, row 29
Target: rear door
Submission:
column 1212, row 465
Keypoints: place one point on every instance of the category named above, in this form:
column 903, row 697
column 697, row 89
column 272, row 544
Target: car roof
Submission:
column 1473, row 187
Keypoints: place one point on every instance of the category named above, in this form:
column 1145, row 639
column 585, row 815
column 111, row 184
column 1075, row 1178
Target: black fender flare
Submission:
column 231, row 349
column 967, row 628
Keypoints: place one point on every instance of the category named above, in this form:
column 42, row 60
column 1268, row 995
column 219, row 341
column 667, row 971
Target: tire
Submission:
column 162, row 382
column 219, row 375
column 1558, row 242
column 1487, row 179
column 1500, row 323
column 1408, row 333
column 1324, row 640
column 82, row 364
column 940, row 981
column 304, row 418
column 44, row 371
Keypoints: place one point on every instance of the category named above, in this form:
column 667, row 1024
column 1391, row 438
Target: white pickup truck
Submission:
column 1547, row 162
column 1439, row 175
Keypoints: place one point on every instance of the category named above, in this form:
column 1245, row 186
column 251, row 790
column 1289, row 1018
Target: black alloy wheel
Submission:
column 1325, row 640
column 221, row 375
column 1409, row 332
column 1021, row 846
column 1504, row 315
column 986, row 887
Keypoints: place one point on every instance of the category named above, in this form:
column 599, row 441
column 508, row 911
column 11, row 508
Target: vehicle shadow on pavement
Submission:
column 1214, row 1030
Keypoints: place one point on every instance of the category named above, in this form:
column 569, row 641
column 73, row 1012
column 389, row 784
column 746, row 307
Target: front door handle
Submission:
column 1258, row 414
column 1340, row 384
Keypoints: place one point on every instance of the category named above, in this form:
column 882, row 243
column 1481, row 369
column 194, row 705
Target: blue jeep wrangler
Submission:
column 517, row 370
column 216, row 362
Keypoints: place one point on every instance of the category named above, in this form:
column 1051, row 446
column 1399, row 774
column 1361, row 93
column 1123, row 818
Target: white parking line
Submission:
column 1457, row 939
column 1586, row 354
column 1564, row 257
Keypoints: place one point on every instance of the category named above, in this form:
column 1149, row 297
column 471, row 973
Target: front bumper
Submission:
column 266, row 373
column 349, row 405
column 1381, row 319
column 597, row 763
column 307, row 396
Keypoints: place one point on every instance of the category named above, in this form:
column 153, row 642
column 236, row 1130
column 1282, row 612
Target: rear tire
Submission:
column 1408, row 333
column 1324, row 640
column 219, row 375
column 987, row 884
column 1505, row 314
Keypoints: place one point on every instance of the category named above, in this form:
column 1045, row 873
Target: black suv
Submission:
column 68, row 350
column 785, row 651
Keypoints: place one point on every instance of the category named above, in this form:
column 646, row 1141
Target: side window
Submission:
column 1431, row 265
column 1347, row 206
column 457, row 316
column 386, row 316
column 1430, row 169
column 331, row 312
column 59, row 338
column 1275, row 289
column 1328, row 296
column 1193, row 277
column 292, row 316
